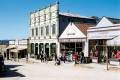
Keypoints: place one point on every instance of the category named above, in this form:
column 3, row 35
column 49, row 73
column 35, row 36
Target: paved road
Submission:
column 68, row 71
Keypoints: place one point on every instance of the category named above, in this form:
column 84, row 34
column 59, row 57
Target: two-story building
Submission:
column 46, row 26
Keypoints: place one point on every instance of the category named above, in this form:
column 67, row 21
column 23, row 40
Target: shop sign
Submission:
column 72, row 40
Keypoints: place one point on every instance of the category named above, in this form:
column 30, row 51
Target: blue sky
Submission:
column 14, row 14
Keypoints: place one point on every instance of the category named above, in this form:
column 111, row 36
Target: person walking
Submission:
column 55, row 57
column 76, row 58
column 64, row 57
column 82, row 57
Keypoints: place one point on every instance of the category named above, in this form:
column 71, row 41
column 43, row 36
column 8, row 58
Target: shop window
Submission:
column 101, row 42
column 112, row 51
column 78, row 44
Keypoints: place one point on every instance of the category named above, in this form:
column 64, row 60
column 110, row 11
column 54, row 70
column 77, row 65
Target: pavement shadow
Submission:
column 9, row 72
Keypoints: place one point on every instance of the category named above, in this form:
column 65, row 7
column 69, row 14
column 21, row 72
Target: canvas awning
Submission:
column 101, row 37
column 21, row 47
column 114, row 42
column 18, row 48
column 11, row 46
column 14, row 50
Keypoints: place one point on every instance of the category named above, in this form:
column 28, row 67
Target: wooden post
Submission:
column 107, row 56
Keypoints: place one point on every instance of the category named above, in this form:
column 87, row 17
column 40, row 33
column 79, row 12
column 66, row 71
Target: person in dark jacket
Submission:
column 82, row 57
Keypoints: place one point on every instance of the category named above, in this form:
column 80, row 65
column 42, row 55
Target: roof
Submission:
column 113, row 20
column 83, row 27
column 74, row 15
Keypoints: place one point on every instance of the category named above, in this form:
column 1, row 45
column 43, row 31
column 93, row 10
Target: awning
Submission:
column 14, row 50
column 72, row 40
column 101, row 37
column 114, row 42
column 21, row 47
column 11, row 46
column 18, row 48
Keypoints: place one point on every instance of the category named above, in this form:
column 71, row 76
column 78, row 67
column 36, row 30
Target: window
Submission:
column 41, row 31
column 36, row 31
column 44, row 17
column 53, row 29
column 47, row 30
column 32, row 32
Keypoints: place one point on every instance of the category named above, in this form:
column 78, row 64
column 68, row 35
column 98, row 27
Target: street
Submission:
column 66, row 71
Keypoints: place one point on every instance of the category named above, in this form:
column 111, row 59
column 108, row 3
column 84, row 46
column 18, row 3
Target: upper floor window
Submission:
column 36, row 31
column 41, row 31
column 47, row 30
column 53, row 29
column 32, row 32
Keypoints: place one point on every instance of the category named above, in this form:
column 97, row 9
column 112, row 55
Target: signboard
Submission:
column 72, row 40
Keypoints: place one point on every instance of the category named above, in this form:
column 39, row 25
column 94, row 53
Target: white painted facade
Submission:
column 72, row 31
column 46, row 17
column 73, row 34
column 104, row 23
column 106, row 31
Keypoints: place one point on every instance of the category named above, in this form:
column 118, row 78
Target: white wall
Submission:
column 38, row 20
column 104, row 22
column 110, row 31
column 72, row 31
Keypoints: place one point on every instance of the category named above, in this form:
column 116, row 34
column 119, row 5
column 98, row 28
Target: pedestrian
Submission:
column 64, row 57
column 42, row 58
column 76, row 58
column 58, row 62
column 82, row 57
column 55, row 57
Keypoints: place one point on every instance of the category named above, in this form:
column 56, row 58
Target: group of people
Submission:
column 76, row 57
column 79, row 57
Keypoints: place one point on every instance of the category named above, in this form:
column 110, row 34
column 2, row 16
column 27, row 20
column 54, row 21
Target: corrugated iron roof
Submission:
column 74, row 15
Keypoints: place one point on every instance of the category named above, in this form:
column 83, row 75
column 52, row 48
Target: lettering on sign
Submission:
column 71, row 34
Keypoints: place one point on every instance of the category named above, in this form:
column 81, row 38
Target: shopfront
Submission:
column 73, row 39
column 97, row 49
column 48, row 50
column 104, row 40
column 69, row 47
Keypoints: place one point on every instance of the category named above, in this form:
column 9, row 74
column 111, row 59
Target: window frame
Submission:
column 53, row 29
